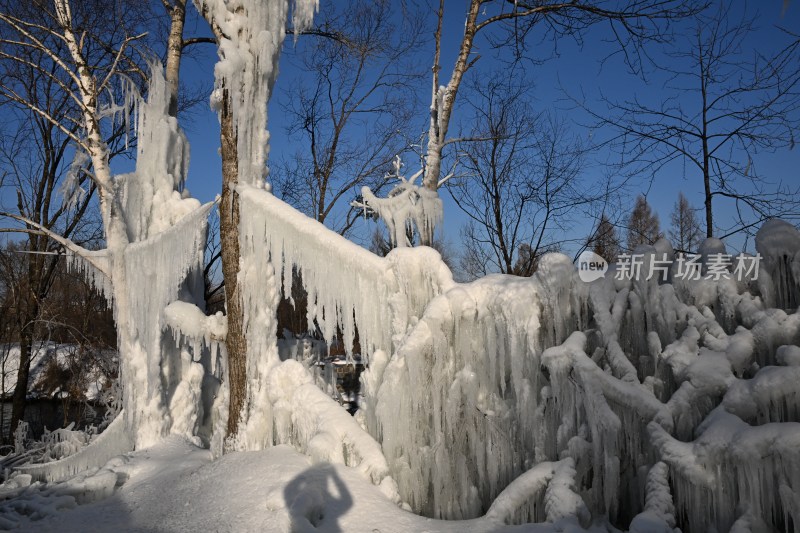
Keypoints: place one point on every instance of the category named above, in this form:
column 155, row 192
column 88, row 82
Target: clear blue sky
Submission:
column 578, row 70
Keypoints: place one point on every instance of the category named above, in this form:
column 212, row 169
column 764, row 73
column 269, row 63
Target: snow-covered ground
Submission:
column 175, row 486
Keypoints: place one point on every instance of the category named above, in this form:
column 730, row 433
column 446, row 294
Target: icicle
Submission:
column 346, row 284
column 97, row 277
column 778, row 244
column 71, row 191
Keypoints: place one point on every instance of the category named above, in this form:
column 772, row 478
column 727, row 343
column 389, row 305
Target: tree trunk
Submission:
column 229, row 241
column 709, row 219
column 174, row 53
column 20, row 397
column 440, row 115
column 26, row 322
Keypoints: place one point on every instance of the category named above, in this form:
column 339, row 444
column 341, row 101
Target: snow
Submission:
column 659, row 512
column 43, row 354
column 189, row 320
column 308, row 419
column 176, row 487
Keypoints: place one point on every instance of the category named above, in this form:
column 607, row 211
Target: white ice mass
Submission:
column 621, row 404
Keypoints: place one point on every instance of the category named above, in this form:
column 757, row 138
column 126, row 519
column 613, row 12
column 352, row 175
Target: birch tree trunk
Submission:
column 172, row 69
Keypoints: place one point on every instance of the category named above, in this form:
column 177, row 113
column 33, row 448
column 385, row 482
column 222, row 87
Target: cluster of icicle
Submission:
column 458, row 408
column 248, row 66
column 677, row 401
column 163, row 263
column 347, row 286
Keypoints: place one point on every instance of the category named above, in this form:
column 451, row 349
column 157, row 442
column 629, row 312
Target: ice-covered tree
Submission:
column 154, row 236
column 249, row 36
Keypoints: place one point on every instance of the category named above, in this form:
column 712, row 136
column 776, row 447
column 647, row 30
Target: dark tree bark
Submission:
column 235, row 342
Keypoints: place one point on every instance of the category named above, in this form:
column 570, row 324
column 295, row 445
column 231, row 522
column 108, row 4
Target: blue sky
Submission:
column 578, row 70
column 569, row 68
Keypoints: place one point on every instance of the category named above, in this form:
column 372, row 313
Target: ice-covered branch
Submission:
column 527, row 488
column 408, row 207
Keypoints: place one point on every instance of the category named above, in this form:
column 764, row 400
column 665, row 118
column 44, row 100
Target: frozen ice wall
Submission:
column 457, row 407
column 646, row 404
column 665, row 394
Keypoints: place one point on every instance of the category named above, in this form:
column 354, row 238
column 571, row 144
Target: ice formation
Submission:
column 167, row 233
column 407, row 207
column 347, row 285
column 779, row 244
column 248, row 66
column 660, row 398
column 161, row 250
column 349, row 289
column 679, row 373
column 114, row 441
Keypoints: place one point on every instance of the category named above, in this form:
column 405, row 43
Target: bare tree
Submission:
column 643, row 224
column 521, row 181
column 509, row 24
column 349, row 111
column 685, row 232
column 42, row 134
column 724, row 104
